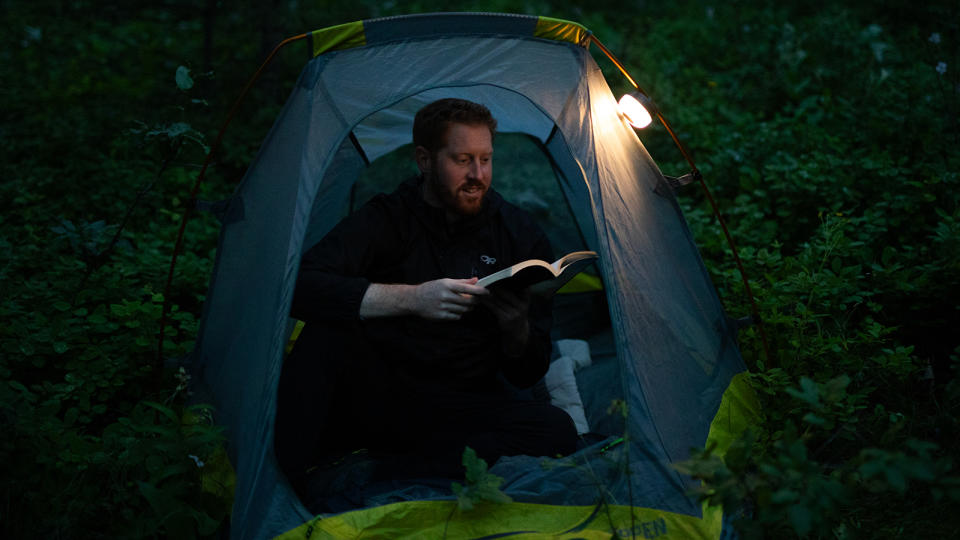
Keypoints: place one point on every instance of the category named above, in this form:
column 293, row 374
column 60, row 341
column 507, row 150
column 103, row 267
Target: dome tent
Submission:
column 673, row 365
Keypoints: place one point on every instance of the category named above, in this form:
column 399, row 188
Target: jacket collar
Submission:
column 435, row 219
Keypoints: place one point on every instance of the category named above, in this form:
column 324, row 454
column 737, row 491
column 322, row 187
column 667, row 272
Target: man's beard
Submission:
column 450, row 199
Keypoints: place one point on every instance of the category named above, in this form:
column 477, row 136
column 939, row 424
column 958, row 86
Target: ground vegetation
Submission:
column 828, row 133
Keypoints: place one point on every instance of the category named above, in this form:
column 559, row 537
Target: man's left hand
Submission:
column 511, row 310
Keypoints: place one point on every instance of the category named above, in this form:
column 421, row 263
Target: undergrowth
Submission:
column 827, row 133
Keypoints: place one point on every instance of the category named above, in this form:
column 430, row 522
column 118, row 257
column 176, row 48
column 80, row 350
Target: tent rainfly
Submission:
column 667, row 359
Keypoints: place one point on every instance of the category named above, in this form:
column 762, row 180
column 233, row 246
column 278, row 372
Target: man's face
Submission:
column 459, row 175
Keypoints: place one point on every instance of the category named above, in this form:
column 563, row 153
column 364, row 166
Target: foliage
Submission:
column 480, row 484
column 827, row 133
column 139, row 476
column 98, row 437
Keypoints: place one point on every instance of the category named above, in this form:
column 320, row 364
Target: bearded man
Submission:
column 402, row 352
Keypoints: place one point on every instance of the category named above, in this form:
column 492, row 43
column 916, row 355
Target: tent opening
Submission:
column 585, row 378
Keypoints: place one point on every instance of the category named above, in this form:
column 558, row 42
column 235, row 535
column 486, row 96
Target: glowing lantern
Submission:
column 633, row 106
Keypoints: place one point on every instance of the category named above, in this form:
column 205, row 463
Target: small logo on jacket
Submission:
column 487, row 259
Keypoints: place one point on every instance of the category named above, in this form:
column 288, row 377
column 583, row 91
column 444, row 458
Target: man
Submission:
column 402, row 351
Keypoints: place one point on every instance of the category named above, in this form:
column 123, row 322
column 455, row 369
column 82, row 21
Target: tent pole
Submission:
column 716, row 212
column 191, row 201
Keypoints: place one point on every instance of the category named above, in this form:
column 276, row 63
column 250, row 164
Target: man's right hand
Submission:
column 441, row 299
column 446, row 299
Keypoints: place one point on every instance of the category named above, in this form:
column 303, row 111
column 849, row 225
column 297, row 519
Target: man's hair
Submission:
column 432, row 121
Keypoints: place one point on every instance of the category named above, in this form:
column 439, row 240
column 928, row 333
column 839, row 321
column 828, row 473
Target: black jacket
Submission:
column 399, row 238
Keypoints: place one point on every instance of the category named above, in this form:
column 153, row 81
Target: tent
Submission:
column 668, row 360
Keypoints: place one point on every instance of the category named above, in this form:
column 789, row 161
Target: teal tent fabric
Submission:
column 674, row 353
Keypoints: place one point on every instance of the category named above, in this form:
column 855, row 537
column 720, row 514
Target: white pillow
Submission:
column 562, row 386
column 577, row 349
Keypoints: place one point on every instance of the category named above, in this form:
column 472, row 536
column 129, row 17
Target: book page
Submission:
column 535, row 272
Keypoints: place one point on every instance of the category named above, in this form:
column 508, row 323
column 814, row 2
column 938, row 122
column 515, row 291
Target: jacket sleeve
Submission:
column 525, row 370
column 333, row 273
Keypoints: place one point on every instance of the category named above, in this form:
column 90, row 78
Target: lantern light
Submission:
column 636, row 107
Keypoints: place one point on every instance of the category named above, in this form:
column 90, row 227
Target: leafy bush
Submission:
column 826, row 136
column 826, row 132
column 98, row 437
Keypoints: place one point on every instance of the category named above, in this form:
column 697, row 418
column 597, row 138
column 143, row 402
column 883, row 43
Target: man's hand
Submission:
column 511, row 310
column 446, row 299
column 441, row 299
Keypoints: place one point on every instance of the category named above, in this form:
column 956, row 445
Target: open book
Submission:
column 542, row 277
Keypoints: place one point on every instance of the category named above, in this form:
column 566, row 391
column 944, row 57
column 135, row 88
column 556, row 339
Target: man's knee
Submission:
column 548, row 431
column 563, row 432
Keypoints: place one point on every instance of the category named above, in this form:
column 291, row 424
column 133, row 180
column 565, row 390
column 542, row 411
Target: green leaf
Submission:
column 60, row 305
column 464, row 502
column 160, row 500
column 172, row 131
column 476, row 467
column 206, row 525
column 836, row 388
column 809, row 393
column 784, row 496
column 481, row 485
column 895, row 478
column 168, row 412
column 800, row 519
column 184, row 81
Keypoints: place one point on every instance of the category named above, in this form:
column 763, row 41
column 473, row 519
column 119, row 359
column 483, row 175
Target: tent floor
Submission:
column 362, row 479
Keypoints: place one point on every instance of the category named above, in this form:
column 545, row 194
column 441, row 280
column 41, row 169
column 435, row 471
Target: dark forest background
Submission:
column 827, row 131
